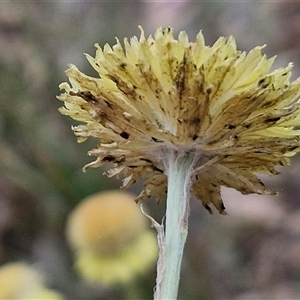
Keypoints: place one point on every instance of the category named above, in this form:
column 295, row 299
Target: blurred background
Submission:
column 254, row 253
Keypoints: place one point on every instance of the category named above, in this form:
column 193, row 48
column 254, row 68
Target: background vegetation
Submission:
column 252, row 254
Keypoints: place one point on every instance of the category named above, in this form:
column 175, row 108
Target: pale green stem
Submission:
column 179, row 167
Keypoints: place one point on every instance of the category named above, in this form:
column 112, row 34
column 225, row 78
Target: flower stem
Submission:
column 179, row 168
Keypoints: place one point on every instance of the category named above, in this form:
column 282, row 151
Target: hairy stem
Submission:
column 179, row 167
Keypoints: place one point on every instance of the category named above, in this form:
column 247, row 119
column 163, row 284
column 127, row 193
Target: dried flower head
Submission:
column 161, row 94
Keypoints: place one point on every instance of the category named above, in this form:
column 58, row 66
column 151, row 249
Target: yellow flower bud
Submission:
column 20, row 281
column 111, row 238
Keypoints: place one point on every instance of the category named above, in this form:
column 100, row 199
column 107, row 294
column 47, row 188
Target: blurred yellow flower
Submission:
column 111, row 238
column 163, row 95
column 20, row 281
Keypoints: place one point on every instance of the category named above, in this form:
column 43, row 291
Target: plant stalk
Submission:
column 179, row 167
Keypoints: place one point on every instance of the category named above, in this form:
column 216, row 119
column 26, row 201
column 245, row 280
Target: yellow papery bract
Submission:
column 161, row 93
